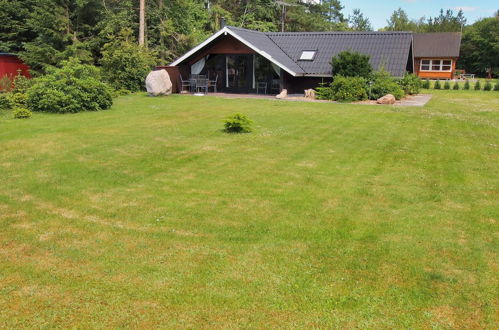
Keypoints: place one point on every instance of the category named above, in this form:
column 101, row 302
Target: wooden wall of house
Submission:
column 225, row 45
column 174, row 73
column 434, row 74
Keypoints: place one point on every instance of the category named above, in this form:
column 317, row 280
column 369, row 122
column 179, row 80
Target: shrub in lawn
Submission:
column 21, row 84
column 351, row 64
column 496, row 87
column 324, row 92
column 456, row 86
column 488, row 86
column 426, row 84
column 411, row 84
column 383, row 83
column 437, row 85
column 125, row 64
column 466, row 85
column 348, row 89
column 238, row 123
column 21, row 113
column 447, row 85
column 73, row 88
column 478, row 86
column 17, row 99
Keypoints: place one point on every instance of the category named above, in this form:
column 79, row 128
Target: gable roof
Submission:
column 388, row 49
column 437, row 44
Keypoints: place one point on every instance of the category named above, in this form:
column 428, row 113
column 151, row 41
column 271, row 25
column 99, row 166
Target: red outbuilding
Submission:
column 10, row 65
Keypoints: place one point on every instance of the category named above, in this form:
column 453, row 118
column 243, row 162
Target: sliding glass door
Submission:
column 239, row 73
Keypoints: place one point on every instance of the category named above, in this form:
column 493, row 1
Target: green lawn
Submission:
column 327, row 215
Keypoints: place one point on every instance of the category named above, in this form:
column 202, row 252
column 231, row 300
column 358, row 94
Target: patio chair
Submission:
column 261, row 85
column 275, row 88
column 213, row 83
column 202, row 84
column 185, row 83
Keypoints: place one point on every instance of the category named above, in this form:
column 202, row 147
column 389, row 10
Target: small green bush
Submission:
column 447, row 85
column 488, row 86
column 21, row 84
column 324, row 92
column 348, row 89
column 456, row 86
column 382, row 84
column 73, row 88
column 437, row 85
column 411, row 84
column 238, row 123
column 426, row 84
column 466, row 85
column 496, row 87
column 478, row 86
column 17, row 99
column 21, row 113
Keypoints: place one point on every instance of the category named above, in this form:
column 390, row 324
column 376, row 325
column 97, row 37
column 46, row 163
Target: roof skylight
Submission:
column 307, row 55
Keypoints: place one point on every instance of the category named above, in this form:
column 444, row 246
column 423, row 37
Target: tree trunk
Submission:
column 142, row 22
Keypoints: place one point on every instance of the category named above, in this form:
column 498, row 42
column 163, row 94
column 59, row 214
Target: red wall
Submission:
column 9, row 64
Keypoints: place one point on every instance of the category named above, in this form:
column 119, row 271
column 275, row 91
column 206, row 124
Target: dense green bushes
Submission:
column 125, row 65
column 348, row 89
column 351, row 64
column 383, row 83
column 73, row 88
column 411, row 84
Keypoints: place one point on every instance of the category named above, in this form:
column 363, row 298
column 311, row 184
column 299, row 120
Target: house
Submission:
column 247, row 61
column 11, row 65
column 436, row 54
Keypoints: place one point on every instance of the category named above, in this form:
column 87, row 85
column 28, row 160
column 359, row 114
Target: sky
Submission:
column 378, row 11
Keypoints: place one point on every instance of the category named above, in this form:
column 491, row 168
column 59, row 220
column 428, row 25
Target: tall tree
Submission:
column 480, row 46
column 358, row 22
column 399, row 21
column 142, row 22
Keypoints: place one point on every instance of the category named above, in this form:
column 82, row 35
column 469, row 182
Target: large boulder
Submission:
column 283, row 94
column 158, row 83
column 387, row 99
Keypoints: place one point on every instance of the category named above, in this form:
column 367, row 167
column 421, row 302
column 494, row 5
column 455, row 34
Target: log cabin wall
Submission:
column 435, row 74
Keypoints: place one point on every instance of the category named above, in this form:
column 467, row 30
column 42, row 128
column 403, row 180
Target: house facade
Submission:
column 436, row 54
column 247, row 61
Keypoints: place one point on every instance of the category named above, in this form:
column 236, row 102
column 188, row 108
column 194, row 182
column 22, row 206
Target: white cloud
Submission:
column 465, row 8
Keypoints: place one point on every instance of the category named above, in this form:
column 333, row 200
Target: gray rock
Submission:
column 387, row 99
column 158, row 83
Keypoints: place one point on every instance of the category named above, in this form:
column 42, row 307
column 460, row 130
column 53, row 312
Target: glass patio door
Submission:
column 239, row 73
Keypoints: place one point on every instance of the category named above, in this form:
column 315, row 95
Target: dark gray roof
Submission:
column 437, row 44
column 261, row 41
column 390, row 50
column 387, row 49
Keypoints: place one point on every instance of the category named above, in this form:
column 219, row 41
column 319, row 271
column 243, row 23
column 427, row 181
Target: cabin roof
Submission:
column 437, row 44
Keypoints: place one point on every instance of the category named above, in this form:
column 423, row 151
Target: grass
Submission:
column 327, row 215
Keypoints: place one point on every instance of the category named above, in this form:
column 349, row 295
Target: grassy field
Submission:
column 328, row 215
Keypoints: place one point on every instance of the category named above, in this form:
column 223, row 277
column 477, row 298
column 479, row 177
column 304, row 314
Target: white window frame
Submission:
column 433, row 62
column 308, row 58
